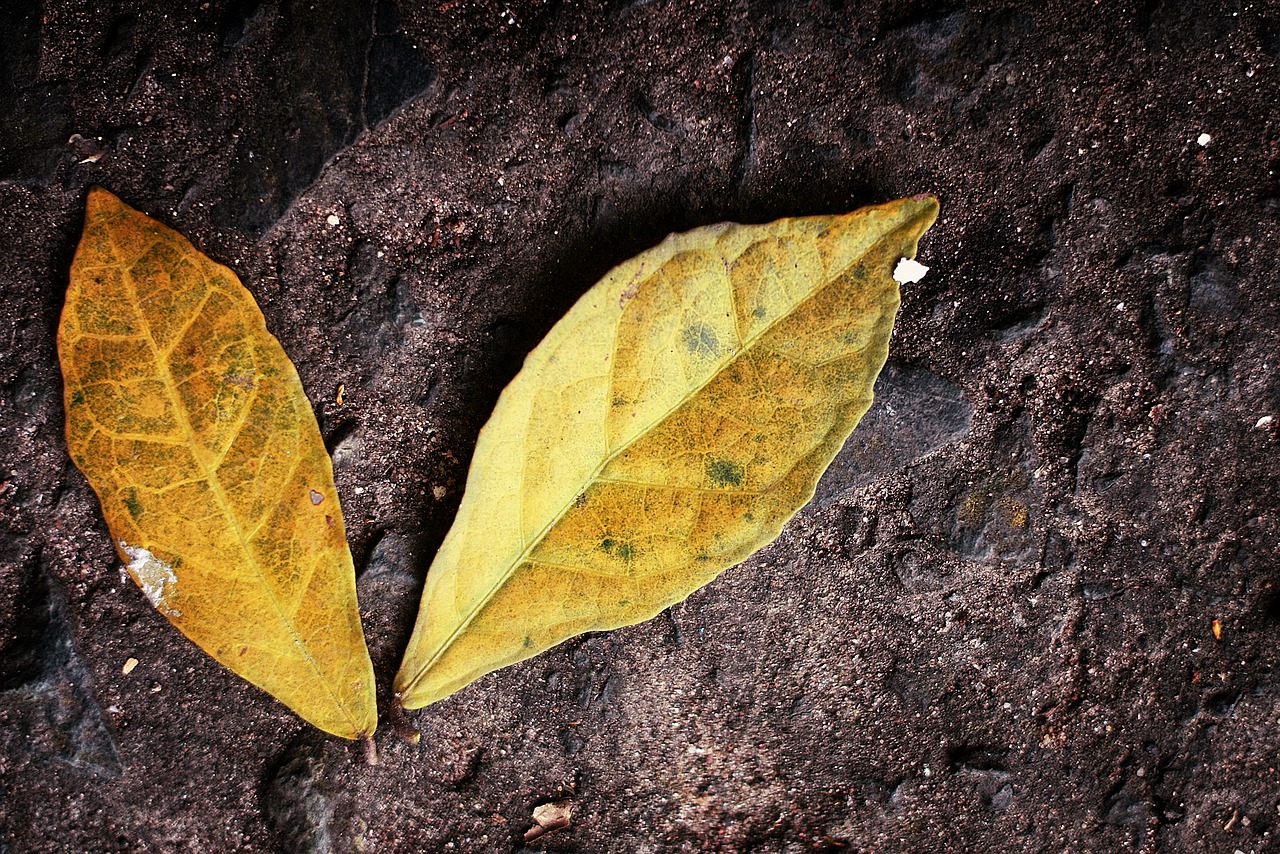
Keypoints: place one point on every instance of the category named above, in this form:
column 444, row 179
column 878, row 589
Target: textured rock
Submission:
column 993, row 629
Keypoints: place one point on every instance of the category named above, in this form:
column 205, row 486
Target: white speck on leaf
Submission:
column 152, row 575
column 909, row 271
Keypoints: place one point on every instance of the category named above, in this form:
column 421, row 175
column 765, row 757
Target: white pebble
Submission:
column 333, row 219
column 909, row 271
column 1204, row 139
column 1264, row 421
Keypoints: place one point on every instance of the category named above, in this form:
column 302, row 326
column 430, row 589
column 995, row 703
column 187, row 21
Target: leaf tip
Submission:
column 928, row 207
column 101, row 200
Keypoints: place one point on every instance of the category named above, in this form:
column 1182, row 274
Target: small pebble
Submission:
column 333, row 219
column 1203, row 139
column 909, row 271
column 129, row 664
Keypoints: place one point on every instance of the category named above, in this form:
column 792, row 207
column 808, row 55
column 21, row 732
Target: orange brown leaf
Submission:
column 191, row 425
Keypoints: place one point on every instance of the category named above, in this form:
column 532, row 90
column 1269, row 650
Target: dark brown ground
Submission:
column 992, row 629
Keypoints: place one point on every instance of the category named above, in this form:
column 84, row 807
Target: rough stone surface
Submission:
column 992, row 630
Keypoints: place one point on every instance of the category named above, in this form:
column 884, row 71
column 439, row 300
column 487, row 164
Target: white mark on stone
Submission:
column 152, row 574
column 909, row 271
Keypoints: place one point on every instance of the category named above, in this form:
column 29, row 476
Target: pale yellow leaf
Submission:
column 667, row 427
column 190, row 423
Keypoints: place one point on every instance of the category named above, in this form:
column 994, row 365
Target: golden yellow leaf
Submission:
column 667, row 427
column 190, row 423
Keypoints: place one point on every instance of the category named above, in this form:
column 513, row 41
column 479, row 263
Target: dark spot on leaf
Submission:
column 700, row 339
column 758, row 311
column 77, row 397
column 528, row 641
column 132, row 505
column 725, row 473
column 622, row 551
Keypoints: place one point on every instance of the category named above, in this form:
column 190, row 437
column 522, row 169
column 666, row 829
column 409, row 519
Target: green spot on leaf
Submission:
column 700, row 339
column 133, row 505
column 725, row 473
column 622, row 551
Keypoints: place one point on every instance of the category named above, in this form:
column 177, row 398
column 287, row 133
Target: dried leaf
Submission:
column 190, row 423
column 666, row 428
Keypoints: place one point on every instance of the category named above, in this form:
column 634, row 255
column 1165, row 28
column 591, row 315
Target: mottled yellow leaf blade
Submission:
column 667, row 427
column 190, row 423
